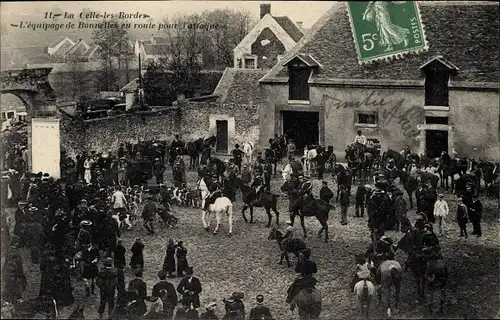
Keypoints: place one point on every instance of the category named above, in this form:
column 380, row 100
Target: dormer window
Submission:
column 300, row 68
column 437, row 77
column 250, row 62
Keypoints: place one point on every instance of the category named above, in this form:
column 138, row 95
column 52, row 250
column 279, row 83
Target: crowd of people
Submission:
column 73, row 225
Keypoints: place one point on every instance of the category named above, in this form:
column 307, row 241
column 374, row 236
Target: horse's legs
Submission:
column 230, row 221
column 281, row 258
column 269, row 216
column 251, row 214
column 245, row 207
column 292, row 217
column 287, row 258
column 204, row 216
column 431, row 299
column 389, row 313
column 277, row 215
column 443, row 297
column 303, row 225
column 218, row 223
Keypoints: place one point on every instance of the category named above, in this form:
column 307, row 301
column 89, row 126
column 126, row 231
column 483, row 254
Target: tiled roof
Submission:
column 76, row 46
column 465, row 34
column 91, row 51
column 132, row 86
column 289, row 27
column 305, row 57
column 12, row 57
column 239, row 86
column 57, row 41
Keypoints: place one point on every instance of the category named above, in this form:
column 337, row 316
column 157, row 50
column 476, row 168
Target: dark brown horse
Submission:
column 309, row 302
column 195, row 148
column 344, row 177
column 269, row 202
column 295, row 246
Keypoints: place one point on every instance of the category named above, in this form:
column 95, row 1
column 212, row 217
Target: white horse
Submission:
column 248, row 149
column 202, row 186
column 220, row 206
column 309, row 160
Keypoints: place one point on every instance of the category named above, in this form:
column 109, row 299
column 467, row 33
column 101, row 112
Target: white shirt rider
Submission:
column 360, row 138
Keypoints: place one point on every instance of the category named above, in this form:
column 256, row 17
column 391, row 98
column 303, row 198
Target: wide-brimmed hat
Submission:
column 288, row 222
column 211, row 305
column 260, row 298
column 237, row 295
column 440, row 195
column 189, row 271
column 33, row 209
column 86, row 223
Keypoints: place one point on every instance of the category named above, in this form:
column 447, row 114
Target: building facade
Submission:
column 445, row 99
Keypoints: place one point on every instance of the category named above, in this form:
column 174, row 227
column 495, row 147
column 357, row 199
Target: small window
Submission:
column 369, row 118
column 436, row 120
column 299, row 83
column 250, row 63
column 436, row 87
column 4, row 116
column 10, row 114
column 22, row 118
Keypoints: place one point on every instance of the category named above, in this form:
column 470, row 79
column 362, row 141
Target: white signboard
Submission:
column 45, row 147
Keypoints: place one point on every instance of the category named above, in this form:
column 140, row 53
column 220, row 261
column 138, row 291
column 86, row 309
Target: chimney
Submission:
column 299, row 25
column 265, row 9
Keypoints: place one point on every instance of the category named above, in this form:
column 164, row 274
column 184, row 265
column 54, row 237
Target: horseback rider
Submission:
column 417, row 235
column 258, row 187
column 288, row 234
column 362, row 271
column 306, row 268
column 215, row 189
column 381, row 251
column 360, row 143
column 431, row 249
column 306, row 190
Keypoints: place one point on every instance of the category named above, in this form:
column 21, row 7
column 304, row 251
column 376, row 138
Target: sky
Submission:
column 306, row 11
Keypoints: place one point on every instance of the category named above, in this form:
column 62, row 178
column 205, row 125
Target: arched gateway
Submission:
column 31, row 86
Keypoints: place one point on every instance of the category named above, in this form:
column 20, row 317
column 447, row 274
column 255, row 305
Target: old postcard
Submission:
column 250, row 159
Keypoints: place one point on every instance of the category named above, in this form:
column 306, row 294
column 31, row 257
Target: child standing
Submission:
column 462, row 218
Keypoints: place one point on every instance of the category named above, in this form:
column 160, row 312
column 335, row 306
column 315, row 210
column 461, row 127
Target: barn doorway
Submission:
column 222, row 136
column 436, row 141
column 302, row 127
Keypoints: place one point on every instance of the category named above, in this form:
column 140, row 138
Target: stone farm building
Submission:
column 444, row 99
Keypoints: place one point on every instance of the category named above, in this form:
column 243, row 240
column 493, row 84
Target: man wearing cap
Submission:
column 20, row 217
column 238, row 155
column 306, row 268
column 344, row 204
column 267, row 173
column 107, row 283
column 170, row 298
column 297, row 168
column 462, row 217
column 190, row 288
column 401, row 208
column 441, row 212
column 260, row 312
column 258, row 188
column 138, row 285
column 90, row 257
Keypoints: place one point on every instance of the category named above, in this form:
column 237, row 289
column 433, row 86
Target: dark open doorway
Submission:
column 302, row 127
column 436, row 141
column 222, row 136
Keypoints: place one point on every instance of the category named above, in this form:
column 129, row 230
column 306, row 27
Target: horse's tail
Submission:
column 365, row 289
column 396, row 276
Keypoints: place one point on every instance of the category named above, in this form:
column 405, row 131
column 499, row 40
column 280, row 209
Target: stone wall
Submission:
column 198, row 118
column 107, row 133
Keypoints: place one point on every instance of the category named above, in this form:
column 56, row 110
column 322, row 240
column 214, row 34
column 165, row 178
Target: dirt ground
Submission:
column 248, row 262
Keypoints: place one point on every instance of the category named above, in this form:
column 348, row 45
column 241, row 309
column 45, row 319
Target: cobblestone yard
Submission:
column 248, row 262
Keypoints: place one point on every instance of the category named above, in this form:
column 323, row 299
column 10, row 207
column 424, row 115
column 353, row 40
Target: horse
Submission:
column 195, row 148
column 295, row 246
column 410, row 184
column 399, row 159
column 365, row 290
column 344, row 177
column 310, row 208
column 202, row 187
column 309, row 301
column 218, row 167
column 390, row 274
column 310, row 164
column 436, row 278
column 269, row 202
column 489, row 172
column 220, row 206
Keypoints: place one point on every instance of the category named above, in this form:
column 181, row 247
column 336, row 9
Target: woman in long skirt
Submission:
column 182, row 263
column 137, row 259
column 169, row 261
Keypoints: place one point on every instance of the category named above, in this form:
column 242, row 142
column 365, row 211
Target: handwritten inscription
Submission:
column 389, row 111
column 403, row 117
column 334, row 103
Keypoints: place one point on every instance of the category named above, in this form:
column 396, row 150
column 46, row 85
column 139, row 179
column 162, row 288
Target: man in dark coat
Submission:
column 325, row 193
column 148, row 214
column 344, row 204
column 360, row 199
column 119, row 255
column 190, row 289
column 107, row 283
column 475, row 214
column 321, row 161
column 237, row 154
column 260, row 312
column 138, row 285
column 35, row 240
column 170, row 299
column 158, row 169
column 90, row 257
column 306, row 268
column 13, row 277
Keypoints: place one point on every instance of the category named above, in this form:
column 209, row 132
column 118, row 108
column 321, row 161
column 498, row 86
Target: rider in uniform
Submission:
column 215, row 189
column 306, row 268
column 235, row 308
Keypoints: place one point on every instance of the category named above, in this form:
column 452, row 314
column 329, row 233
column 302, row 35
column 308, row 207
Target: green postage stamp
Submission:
column 386, row 29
